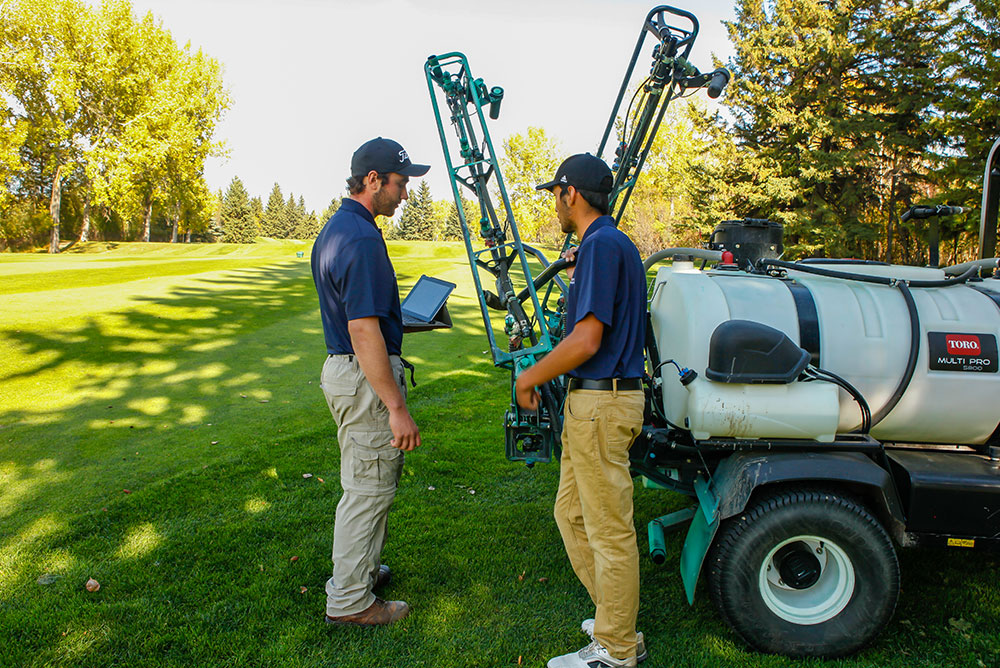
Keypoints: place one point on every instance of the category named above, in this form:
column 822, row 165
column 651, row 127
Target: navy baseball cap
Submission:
column 384, row 156
column 584, row 172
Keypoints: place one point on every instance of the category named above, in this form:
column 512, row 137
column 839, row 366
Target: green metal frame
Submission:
column 530, row 437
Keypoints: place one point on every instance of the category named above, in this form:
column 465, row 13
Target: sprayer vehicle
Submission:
column 819, row 413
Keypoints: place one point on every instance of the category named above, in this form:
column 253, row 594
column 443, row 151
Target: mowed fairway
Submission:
column 159, row 412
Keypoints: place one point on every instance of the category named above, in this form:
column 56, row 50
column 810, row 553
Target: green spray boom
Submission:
column 532, row 327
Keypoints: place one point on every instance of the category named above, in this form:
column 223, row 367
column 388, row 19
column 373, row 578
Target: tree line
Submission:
column 840, row 115
column 105, row 124
column 239, row 218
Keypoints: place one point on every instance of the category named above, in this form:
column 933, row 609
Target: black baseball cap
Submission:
column 584, row 172
column 384, row 156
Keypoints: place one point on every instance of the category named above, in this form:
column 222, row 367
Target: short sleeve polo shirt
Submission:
column 610, row 283
column 354, row 279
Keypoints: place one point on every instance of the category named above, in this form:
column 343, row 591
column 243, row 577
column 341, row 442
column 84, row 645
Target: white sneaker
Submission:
column 592, row 656
column 587, row 626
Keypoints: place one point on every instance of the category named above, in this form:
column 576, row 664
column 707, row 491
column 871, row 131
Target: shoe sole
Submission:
column 337, row 622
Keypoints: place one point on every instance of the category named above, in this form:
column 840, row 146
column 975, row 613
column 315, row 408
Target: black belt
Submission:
column 607, row 384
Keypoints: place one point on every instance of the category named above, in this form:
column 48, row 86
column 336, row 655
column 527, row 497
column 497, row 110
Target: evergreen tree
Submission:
column 257, row 210
column 237, row 217
column 308, row 227
column 215, row 231
column 292, row 216
column 971, row 119
column 829, row 99
column 274, row 214
column 331, row 209
column 417, row 219
column 452, row 226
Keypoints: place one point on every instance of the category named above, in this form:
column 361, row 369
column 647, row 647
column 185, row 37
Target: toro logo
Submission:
column 963, row 344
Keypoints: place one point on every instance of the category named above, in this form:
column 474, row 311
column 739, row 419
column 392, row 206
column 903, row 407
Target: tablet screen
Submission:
column 426, row 298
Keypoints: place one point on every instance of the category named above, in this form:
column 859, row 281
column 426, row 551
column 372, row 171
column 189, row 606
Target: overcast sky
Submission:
column 311, row 80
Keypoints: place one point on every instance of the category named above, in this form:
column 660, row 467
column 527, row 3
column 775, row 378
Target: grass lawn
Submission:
column 159, row 412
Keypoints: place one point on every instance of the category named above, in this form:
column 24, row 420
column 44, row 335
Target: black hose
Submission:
column 551, row 397
column 880, row 280
column 911, row 363
column 830, row 377
column 545, row 275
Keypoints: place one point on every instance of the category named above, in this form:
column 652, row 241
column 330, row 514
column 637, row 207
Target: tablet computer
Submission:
column 425, row 299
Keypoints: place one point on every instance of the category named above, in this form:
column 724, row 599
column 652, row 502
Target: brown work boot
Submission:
column 382, row 578
column 378, row 613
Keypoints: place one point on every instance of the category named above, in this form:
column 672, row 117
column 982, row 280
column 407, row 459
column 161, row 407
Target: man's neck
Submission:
column 364, row 200
column 582, row 227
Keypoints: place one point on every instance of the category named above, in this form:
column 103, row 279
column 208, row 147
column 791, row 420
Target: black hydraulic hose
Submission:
column 880, row 280
column 553, row 404
column 544, row 276
column 911, row 363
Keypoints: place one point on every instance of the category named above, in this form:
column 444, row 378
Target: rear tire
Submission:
column 807, row 573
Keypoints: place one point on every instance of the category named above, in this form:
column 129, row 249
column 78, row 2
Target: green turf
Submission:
column 187, row 375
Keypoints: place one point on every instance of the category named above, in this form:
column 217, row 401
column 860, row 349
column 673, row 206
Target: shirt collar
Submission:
column 358, row 208
column 601, row 221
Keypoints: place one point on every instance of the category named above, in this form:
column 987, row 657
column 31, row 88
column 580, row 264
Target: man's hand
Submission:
column 570, row 256
column 527, row 395
column 405, row 434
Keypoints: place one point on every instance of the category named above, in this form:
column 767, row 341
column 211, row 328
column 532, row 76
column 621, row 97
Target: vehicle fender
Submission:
column 738, row 476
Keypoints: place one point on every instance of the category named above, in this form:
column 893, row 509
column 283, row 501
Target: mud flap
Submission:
column 700, row 535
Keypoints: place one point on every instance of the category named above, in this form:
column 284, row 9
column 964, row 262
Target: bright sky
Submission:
column 311, row 80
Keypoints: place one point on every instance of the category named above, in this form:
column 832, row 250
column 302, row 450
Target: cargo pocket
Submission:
column 375, row 466
column 339, row 378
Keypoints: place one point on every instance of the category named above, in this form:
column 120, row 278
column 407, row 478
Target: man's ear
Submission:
column 372, row 179
column 571, row 193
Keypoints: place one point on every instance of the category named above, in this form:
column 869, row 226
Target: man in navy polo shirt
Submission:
column 602, row 353
column 362, row 378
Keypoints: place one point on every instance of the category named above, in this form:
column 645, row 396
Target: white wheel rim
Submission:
column 823, row 600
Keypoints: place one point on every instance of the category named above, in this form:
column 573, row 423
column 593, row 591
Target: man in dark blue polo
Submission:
column 603, row 355
column 363, row 379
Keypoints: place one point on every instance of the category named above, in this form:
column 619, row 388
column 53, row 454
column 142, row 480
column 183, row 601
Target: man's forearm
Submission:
column 369, row 347
column 573, row 351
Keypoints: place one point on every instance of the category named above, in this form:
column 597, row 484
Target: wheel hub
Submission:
column 806, row 580
column 798, row 566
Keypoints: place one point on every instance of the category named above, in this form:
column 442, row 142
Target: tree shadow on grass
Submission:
column 220, row 366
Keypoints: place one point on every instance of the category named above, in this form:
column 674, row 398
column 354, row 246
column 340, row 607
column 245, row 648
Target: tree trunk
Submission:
column 187, row 236
column 54, row 205
column 892, row 216
column 85, row 227
column 176, row 221
column 147, row 218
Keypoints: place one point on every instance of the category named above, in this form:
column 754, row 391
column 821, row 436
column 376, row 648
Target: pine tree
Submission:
column 292, row 216
column 829, row 100
column 452, row 226
column 308, row 227
column 237, row 218
column 274, row 215
column 417, row 219
column 215, row 231
column 331, row 209
column 257, row 209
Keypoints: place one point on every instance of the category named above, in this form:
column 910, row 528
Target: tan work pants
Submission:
column 369, row 473
column 593, row 508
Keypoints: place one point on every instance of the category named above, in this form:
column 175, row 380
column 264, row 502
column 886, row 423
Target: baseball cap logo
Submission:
column 963, row 344
column 563, row 179
column 403, row 157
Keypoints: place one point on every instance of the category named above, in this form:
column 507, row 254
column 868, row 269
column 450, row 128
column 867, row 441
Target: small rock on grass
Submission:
column 92, row 585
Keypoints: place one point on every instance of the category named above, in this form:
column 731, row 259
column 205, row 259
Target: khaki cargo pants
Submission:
column 593, row 508
column 369, row 473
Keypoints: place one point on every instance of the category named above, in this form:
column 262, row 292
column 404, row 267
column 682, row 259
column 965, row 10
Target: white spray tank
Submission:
column 858, row 330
